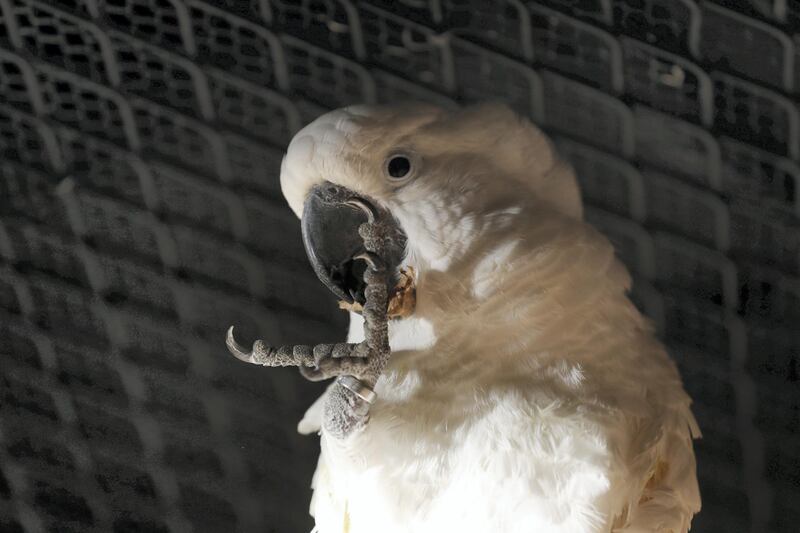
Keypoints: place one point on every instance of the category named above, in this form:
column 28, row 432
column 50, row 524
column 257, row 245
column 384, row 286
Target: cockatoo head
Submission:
column 438, row 176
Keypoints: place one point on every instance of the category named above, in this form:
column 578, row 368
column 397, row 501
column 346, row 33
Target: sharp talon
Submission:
column 236, row 349
column 374, row 261
column 364, row 206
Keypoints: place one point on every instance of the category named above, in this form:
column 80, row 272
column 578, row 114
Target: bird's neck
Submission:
column 522, row 285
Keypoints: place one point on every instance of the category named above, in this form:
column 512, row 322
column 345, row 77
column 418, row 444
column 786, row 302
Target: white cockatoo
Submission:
column 525, row 392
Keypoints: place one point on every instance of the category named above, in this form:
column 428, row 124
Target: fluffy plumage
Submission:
column 526, row 393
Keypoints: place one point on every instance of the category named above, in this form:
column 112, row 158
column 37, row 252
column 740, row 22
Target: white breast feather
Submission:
column 527, row 394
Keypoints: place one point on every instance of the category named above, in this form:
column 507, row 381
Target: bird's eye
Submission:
column 398, row 167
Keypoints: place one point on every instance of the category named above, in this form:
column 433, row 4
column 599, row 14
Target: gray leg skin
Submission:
column 344, row 412
column 346, row 407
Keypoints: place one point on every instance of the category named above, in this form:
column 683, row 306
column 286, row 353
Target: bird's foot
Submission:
column 356, row 366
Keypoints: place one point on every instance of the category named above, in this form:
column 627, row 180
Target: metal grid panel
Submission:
column 756, row 115
column 606, row 181
column 677, row 146
column 666, row 81
column 403, row 46
column 747, row 47
column 588, row 114
column 161, row 22
column 752, row 173
column 504, row 26
column 325, row 78
column 482, row 74
column 140, row 212
column 160, row 75
column 698, row 214
column 672, row 25
column 252, row 109
column 68, row 41
column 595, row 11
column 329, row 24
column 585, row 51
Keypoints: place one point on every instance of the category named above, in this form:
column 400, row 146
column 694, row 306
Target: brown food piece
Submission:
column 402, row 300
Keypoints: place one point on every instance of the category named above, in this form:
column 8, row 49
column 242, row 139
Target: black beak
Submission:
column 331, row 217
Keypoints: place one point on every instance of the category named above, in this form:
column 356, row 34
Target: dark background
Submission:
column 140, row 142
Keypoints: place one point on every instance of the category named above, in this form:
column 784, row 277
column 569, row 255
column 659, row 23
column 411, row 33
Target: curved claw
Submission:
column 236, row 349
column 364, row 206
column 373, row 260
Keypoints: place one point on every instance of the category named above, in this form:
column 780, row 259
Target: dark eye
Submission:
column 398, row 166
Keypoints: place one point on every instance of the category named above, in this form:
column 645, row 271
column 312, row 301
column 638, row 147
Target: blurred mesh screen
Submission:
column 140, row 142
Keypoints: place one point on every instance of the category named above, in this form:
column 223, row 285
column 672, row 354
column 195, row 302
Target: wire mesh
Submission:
column 140, row 214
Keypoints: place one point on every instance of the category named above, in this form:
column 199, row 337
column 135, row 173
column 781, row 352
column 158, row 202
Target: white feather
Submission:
column 526, row 393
